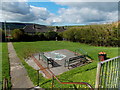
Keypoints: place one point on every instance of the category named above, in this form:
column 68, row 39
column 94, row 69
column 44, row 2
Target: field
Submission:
column 5, row 64
column 85, row 73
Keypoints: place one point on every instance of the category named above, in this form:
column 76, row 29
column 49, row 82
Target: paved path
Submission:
column 19, row 77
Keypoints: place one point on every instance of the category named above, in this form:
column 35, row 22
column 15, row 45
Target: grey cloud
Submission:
column 84, row 15
column 21, row 11
column 102, row 6
column 76, row 13
column 88, row 12
column 16, row 7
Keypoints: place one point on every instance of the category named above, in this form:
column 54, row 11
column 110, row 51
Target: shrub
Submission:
column 2, row 36
column 40, row 36
column 50, row 35
column 17, row 34
column 98, row 35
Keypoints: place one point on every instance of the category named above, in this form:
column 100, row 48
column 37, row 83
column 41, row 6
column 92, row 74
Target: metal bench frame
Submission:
column 47, row 60
column 75, row 59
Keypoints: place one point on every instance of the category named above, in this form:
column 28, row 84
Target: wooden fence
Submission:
column 108, row 73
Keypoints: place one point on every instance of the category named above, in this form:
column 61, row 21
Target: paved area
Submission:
column 59, row 57
column 19, row 77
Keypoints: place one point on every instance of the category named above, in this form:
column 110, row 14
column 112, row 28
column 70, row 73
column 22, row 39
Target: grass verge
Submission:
column 0, row 65
column 5, row 64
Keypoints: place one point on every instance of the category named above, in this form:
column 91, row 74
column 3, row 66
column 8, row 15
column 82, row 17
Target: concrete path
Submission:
column 19, row 77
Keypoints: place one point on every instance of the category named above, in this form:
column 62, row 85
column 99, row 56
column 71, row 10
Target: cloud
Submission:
column 62, row 1
column 103, row 6
column 16, row 7
column 14, row 0
column 40, row 12
column 76, row 13
column 87, row 12
column 21, row 11
column 83, row 16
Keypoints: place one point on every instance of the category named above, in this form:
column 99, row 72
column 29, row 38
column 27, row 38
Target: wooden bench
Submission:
column 47, row 60
column 73, row 60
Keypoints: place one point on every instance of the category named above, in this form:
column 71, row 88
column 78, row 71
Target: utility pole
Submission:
column 5, row 30
column 9, row 34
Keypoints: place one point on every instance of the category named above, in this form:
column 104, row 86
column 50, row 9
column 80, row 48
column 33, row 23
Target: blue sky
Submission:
column 51, row 6
column 60, row 13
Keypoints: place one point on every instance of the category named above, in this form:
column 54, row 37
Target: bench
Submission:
column 47, row 60
column 76, row 59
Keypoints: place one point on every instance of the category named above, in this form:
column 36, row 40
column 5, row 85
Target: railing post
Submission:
column 52, row 81
column 38, row 77
column 5, row 84
column 39, row 56
column 98, row 76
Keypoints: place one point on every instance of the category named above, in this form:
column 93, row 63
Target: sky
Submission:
column 64, row 12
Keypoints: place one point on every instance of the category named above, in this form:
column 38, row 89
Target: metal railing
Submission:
column 108, row 73
column 5, row 84
column 81, row 51
column 54, row 77
column 78, row 83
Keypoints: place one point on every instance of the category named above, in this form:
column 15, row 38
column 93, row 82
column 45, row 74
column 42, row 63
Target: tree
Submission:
column 51, row 35
column 40, row 36
column 69, row 34
column 17, row 34
column 2, row 36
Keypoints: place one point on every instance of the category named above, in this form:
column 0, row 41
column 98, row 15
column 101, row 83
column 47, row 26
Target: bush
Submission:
column 2, row 36
column 17, row 34
column 50, row 35
column 40, row 36
column 70, row 34
column 98, row 35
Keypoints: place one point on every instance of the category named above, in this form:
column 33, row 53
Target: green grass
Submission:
column 85, row 73
column 5, row 64
column 0, row 65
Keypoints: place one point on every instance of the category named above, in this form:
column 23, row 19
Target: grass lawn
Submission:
column 85, row 73
column 5, row 64
column 0, row 65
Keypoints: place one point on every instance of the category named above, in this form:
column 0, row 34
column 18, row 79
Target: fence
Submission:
column 108, row 73
column 78, row 84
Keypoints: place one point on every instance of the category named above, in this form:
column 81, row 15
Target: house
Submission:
column 35, row 28
column 59, row 29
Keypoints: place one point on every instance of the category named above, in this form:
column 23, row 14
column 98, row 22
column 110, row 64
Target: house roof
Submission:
column 35, row 28
column 60, row 29
column 29, row 29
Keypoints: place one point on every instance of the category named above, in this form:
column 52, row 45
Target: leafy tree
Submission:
column 69, row 34
column 17, row 34
column 2, row 36
column 40, row 36
column 51, row 35
column 99, row 35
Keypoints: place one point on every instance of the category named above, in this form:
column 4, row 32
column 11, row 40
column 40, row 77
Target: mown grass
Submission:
column 0, row 65
column 85, row 73
column 5, row 64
